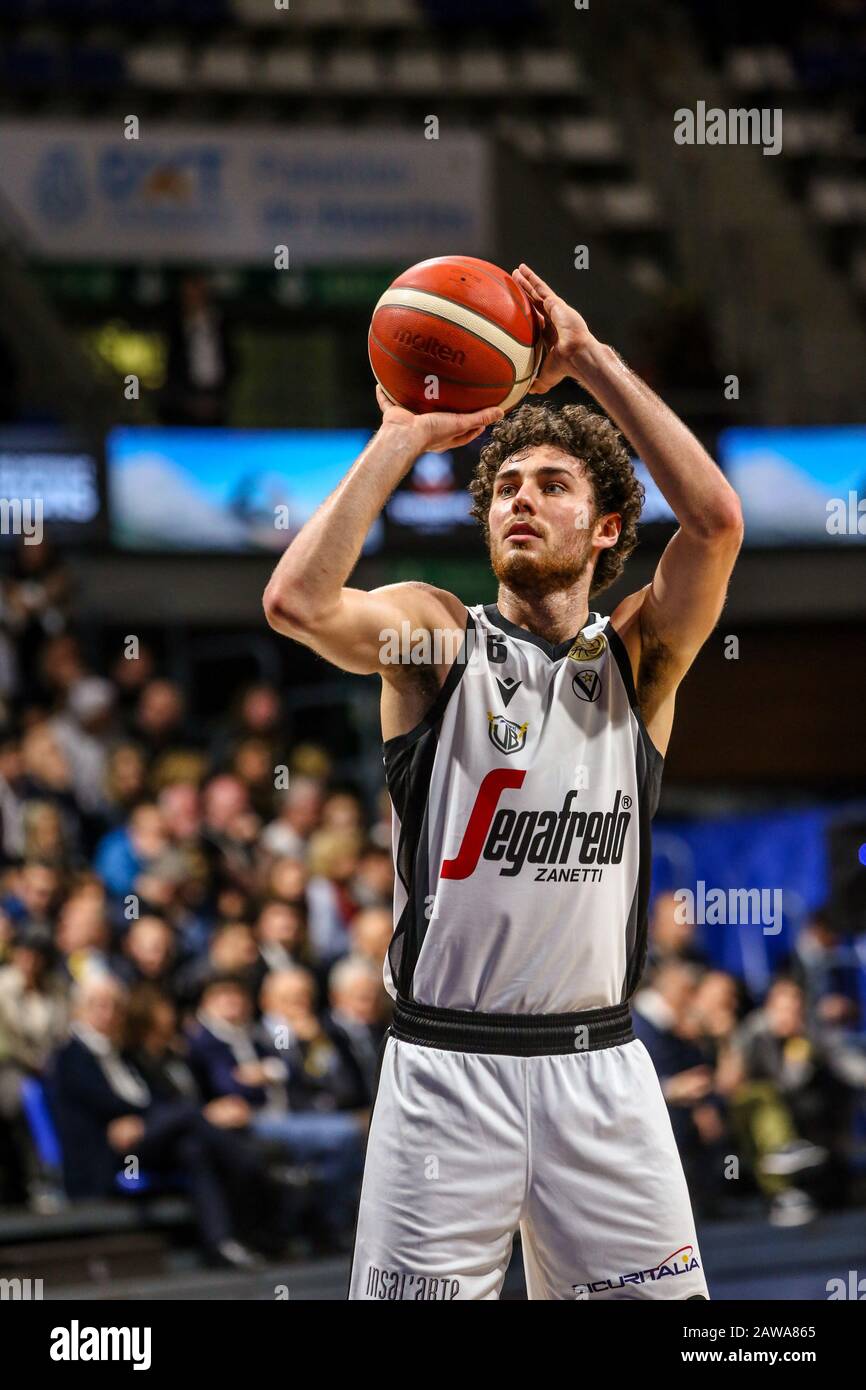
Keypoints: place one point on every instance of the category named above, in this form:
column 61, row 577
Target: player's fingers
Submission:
column 546, row 305
column 477, row 420
column 384, row 403
column 529, row 290
column 541, row 288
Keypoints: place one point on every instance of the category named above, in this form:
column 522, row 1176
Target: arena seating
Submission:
column 814, row 69
column 356, row 62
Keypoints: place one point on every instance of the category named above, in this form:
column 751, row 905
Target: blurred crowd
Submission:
column 193, row 925
column 766, row 1097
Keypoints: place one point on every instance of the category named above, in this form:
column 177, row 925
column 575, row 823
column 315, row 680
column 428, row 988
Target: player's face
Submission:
column 542, row 521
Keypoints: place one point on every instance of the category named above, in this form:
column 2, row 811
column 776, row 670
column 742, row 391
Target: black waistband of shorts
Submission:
column 516, row 1035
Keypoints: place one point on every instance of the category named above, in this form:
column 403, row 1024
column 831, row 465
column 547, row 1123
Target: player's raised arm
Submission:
column 665, row 624
column 307, row 598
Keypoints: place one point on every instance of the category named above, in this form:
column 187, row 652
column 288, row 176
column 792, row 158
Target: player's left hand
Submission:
column 566, row 334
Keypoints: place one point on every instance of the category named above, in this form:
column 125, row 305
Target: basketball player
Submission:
column 524, row 758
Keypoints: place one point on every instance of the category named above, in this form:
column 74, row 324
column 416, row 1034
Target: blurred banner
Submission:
column 224, row 490
column 59, row 472
column 804, row 485
column 76, row 190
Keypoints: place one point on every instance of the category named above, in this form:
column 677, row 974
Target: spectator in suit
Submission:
column 107, row 1116
column 281, row 934
column 225, row 1052
column 323, row 1072
column 159, row 1051
column 231, row 1057
column 357, row 1015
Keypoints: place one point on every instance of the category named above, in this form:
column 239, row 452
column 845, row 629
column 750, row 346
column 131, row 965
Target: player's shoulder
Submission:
column 426, row 602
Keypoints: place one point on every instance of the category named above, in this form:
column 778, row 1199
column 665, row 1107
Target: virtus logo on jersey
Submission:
column 505, row 734
column 545, row 838
column 587, row 685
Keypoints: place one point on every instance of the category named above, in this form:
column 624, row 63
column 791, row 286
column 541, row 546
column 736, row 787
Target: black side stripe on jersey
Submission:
column 649, row 766
column 623, row 661
column 409, row 760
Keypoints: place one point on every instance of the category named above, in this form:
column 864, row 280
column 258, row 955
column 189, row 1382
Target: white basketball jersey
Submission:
column 523, row 804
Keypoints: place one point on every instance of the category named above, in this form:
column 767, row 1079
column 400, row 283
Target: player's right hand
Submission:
column 440, row 430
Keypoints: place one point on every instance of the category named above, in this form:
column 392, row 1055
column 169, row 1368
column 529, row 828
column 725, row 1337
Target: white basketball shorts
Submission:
column 575, row 1150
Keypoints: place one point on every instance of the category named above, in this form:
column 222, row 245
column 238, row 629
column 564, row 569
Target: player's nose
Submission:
column 522, row 500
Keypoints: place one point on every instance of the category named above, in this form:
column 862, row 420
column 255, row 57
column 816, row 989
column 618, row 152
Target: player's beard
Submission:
column 537, row 570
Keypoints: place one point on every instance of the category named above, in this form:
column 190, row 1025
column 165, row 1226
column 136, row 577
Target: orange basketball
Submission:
column 454, row 333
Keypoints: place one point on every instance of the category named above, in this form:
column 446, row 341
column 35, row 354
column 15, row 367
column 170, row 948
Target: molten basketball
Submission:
column 454, row 333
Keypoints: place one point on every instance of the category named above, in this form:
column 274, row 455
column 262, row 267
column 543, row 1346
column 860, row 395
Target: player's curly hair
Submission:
column 587, row 436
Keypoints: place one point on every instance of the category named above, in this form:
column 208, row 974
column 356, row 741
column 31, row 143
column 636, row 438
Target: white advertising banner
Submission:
column 81, row 190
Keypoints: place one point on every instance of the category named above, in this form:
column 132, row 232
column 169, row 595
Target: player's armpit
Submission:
column 377, row 632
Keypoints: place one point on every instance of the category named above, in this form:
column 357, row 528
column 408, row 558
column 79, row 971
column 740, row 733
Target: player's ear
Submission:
column 607, row 530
